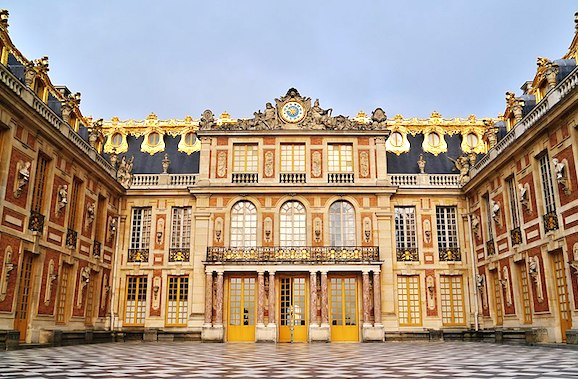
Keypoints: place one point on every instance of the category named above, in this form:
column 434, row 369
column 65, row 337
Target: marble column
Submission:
column 208, row 298
column 313, row 299
column 324, row 302
column 365, row 296
column 219, row 305
column 272, row 320
column 376, row 297
column 260, row 298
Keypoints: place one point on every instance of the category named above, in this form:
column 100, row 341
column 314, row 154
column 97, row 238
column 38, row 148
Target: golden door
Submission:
column 241, row 325
column 562, row 293
column 343, row 306
column 293, row 312
column 24, row 293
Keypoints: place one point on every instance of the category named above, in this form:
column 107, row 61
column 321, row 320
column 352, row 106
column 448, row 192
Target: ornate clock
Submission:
column 292, row 111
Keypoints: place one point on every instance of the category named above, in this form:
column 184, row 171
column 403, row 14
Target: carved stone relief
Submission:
column 218, row 229
column 82, row 282
column 536, row 274
column 317, row 228
column 367, row 229
column 50, row 278
column 506, row 284
column 90, row 214
column 156, row 292
column 268, row 230
column 269, row 164
column 7, row 267
column 364, row 164
column 23, row 170
column 221, row 164
column 316, row 164
column 105, row 290
column 430, row 284
column 427, row 231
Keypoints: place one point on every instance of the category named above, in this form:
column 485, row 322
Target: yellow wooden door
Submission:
column 562, row 294
column 343, row 306
column 293, row 312
column 498, row 300
column 24, row 293
column 241, row 326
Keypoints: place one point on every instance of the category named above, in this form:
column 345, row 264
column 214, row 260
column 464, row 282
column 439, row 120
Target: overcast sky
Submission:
column 177, row 58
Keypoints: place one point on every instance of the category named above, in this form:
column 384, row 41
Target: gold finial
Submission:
column 361, row 114
column 152, row 116
column 188, row 119
column 225, row 116
column 115, row 120
column 4, row 18
column 435, row 114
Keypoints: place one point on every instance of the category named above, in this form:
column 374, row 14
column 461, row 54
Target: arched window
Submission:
column 342, row 224
column 244, row 225
column 293, row 228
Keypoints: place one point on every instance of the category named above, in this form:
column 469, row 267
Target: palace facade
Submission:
column 294, row 225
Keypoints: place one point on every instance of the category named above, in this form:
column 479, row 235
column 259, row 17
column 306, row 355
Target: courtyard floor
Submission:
column 379, row 360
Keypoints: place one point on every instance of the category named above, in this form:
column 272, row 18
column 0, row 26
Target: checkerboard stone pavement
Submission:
column 379, row 360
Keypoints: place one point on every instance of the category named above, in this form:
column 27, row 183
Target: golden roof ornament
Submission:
column 4, row 19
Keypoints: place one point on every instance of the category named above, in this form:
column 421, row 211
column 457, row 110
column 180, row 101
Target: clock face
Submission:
column 292, row 112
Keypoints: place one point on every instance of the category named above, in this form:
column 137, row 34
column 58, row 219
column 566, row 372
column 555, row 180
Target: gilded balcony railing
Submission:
column 138, row 255
column 551, row 221
column 71, row 238
column 36, row 223
column 407, row 254
column 450, row 254
column 293, row 254
column 490, row 247
column 516, row 235
column 179, row 254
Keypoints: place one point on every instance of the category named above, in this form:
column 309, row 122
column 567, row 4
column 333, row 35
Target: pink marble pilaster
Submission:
column 365, row 279
column 219, row 305
column 324, row 302
column 209, row 298
column 313, row 299
column 260, row 297
column 272, row 319
column 376, row 297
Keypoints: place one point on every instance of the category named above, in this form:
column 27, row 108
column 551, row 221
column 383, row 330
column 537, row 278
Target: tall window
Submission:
column 61, row 304
column 141, row 228
column 181, row 228
column 340, row 157
column 487, row 205
column 292, row 158
column 101, row 219
column 452, row 300
column 244, row 225
column 447, row 228
column 245, row 158
column 342, row 224
column 405, row 236
column 39, row 183
column 525, row 293
column 513, row 198
column 547, row 186
column 293, row 230
column 73, row 204
column 178, row 297
column 136, row 296
column 408, row 301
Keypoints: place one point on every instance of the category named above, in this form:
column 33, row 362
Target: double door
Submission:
column 25, row 288
column 293, row 309
column 343, row 309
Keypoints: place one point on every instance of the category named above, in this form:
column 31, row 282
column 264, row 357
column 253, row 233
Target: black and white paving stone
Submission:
column 379, row 360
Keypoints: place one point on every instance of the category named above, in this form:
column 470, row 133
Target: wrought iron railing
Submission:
column 341, row 177
column 71, row 238
column 516, row 235
column 292, row 177
column 305, row 254
column 36, row 223
column 490, row 247
column 245, row 178
column 179, row 254
column 450, row 254
column 138, row 255
column 407, row 254
column 551, row 221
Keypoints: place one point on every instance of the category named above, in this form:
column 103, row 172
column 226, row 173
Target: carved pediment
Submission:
column 294, row 111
